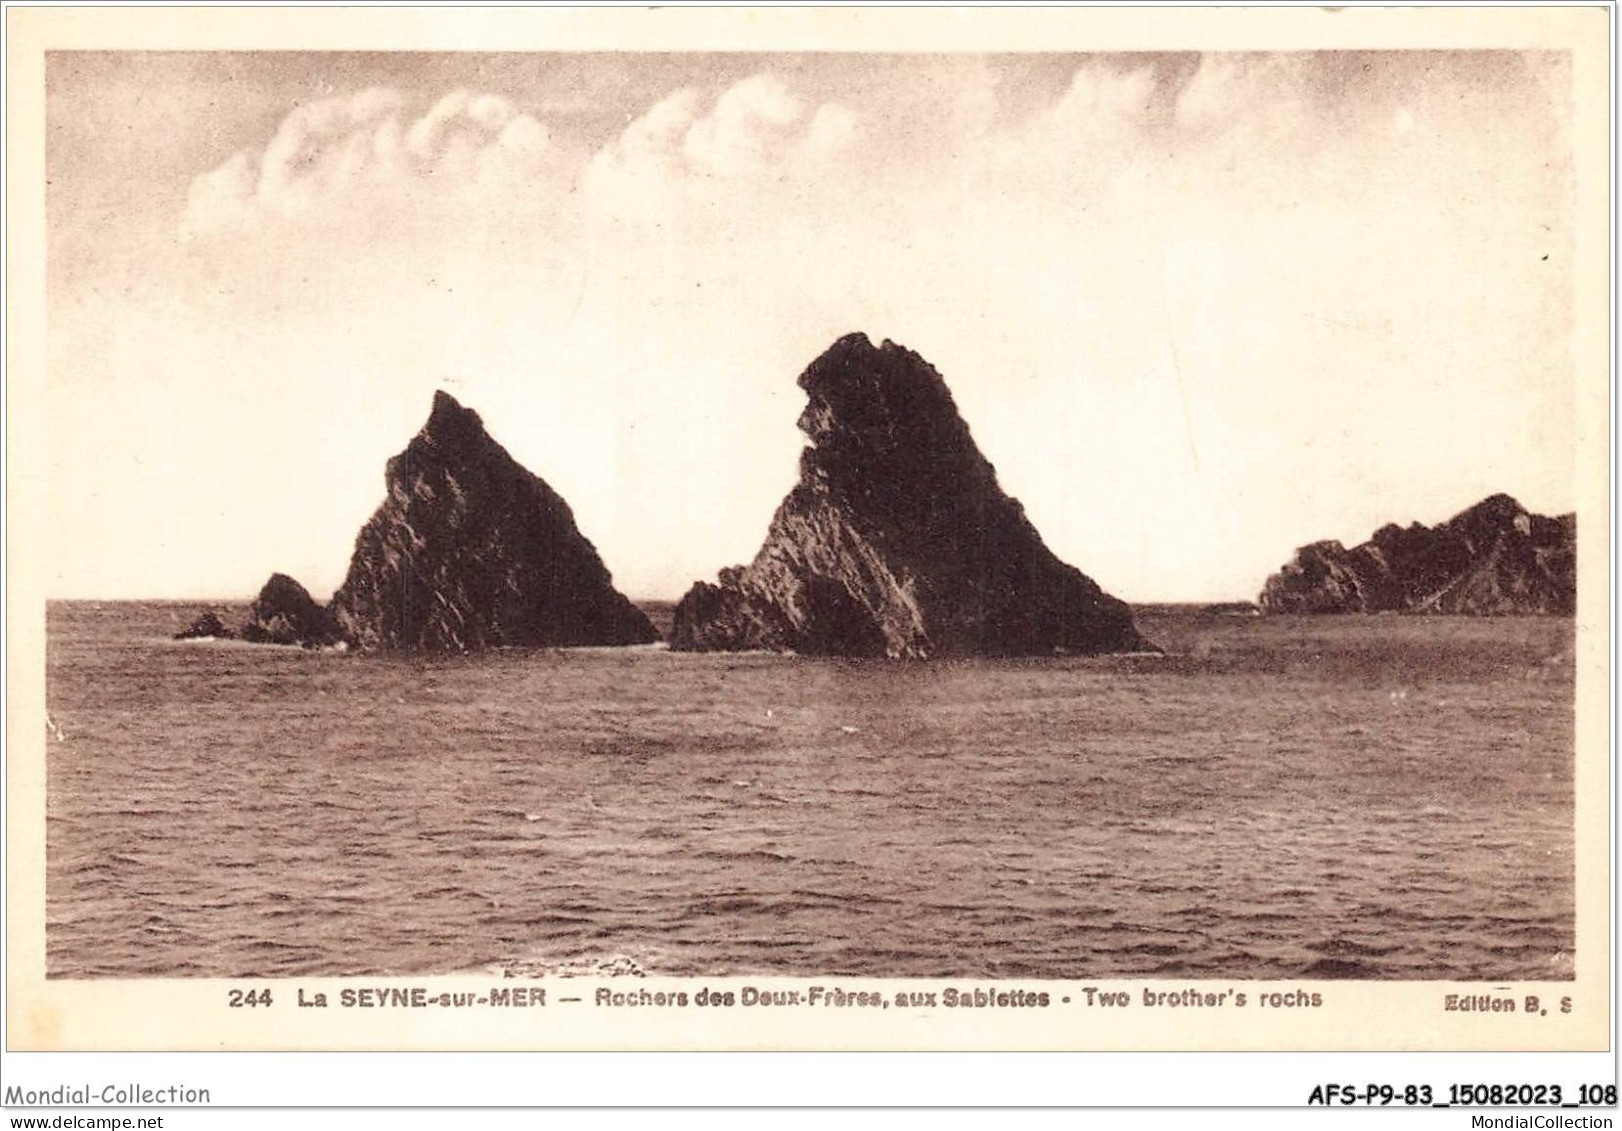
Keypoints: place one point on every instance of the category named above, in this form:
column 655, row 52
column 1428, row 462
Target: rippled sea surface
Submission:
column 1369, row 797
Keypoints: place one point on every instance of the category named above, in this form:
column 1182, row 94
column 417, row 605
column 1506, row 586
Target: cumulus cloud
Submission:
column 1090, row 136
column 1101, row 99
column 365, row 148
column 1234, row 90
column 356, row 159
column 754, row 125
column 756, row 131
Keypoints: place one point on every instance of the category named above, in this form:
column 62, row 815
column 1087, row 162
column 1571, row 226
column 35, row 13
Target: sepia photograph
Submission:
column 961, row 527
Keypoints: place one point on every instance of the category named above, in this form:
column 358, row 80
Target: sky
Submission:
column 1198, row 310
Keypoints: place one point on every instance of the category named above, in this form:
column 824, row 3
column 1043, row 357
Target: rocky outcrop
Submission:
column 208, row 626
column 469, row 550
column 285, row 613
column 1494, row 559
column 897, row 540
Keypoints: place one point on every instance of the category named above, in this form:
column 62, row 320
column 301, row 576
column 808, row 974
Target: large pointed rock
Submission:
column 897, row 540
column 471, row 551
column 1494, row 559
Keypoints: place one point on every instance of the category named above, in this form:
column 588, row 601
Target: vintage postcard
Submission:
column 808, row 529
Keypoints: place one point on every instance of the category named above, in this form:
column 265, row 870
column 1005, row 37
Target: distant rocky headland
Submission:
column 469, row 550
column 897, row 540
column 1494, row 559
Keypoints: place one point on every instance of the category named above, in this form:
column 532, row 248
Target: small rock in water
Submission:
column 285, row 613
column 208, row 626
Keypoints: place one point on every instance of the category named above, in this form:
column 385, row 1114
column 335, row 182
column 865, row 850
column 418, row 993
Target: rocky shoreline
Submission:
column 1494, row 559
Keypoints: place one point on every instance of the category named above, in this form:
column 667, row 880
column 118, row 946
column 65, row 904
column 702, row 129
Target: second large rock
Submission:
column 897, row 541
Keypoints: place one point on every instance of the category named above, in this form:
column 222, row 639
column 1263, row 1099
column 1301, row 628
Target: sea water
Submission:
column 1365, row 797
